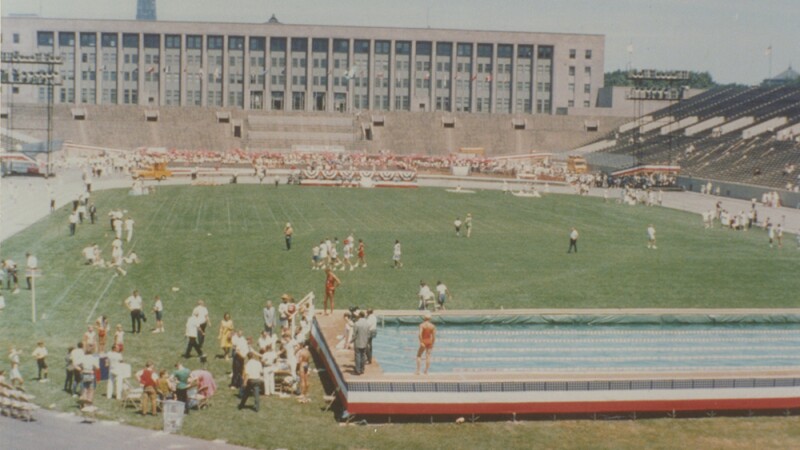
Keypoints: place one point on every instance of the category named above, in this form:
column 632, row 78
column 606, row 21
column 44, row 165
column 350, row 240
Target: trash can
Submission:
column 173, row 415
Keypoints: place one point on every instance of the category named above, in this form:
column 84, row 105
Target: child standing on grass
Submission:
column 119, row 337
column 40, row 353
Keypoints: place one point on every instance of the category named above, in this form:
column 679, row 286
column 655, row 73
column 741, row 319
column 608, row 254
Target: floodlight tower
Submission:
column 145, row 9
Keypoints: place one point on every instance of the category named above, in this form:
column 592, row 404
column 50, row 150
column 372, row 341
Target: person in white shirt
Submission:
column 651, row 237
column 134, row 305
column 192, row 333
column 397, row 255
column 457, row 225
column 89, row 255
column 253, row 372
column 442, row 294
column 73, row 222
column 240, row 351
column 40, row 353
column 205, row 320
column 425, row 295
column 114, row 362
column 158, row 309
column 573, row 240
column 129, row 228
column 31, row 266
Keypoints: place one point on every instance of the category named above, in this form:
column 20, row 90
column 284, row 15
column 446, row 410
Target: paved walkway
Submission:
column 67, row 431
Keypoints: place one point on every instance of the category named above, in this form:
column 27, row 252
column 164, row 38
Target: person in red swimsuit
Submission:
column 362, row 261
column 427, row 337
column 331, row 282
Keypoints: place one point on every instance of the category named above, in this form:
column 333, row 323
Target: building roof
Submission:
column 787, row 75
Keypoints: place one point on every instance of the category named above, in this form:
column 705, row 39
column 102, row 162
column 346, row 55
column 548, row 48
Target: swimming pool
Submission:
column 570, row 361
column 598, row 348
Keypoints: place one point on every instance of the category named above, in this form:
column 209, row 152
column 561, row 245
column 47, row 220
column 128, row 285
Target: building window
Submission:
column 45, row 38
column 423, row 47
column 277, row 44
column 172, row 41
column 66, row 39
column 382, row 47
column 444, row 48
column 402, row 47
column 484, row 50
column 152, row 40
column 130, row 40
column 572, row 71
column 236, row 43
column 587, row 104
column 588, row 54
column 505, row 50
column 571, row 88
column 194, row 42
column 16, row 38
column 214, row 42
column 572, row 53
column 340, row 46
column 525, row 51
column 464, row 49
column 299, row 44
column 545, row 52
column 319, row 45
column 571, row 103
column 587, row 88
column 108, row 39
column 587, row 71
column 258, row 43
column 361, row 46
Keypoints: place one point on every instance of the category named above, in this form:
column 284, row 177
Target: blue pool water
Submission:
column 583, row 348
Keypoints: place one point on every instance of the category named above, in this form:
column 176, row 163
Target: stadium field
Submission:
column 224, row 244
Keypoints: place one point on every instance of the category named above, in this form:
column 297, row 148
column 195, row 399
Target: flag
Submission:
column 166, row 69
column 474, row 77
column 216, row 74
column 151, row 69
column 427, row 75
column 489, row 77
column 768, row 50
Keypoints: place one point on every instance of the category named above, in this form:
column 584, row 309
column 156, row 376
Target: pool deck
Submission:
column 332, row 327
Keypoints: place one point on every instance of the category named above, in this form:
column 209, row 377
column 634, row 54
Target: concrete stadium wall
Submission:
column 741, row 191
column 402, row 132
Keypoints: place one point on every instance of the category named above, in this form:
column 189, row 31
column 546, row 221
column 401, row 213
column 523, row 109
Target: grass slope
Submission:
column 224, row 244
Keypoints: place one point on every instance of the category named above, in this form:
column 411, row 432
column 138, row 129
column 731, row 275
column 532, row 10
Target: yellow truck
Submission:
column 577, row 164
column 158, row 171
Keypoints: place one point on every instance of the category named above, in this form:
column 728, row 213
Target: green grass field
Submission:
column 225, row 245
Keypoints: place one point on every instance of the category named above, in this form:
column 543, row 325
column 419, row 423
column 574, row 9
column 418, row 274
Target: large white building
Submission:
column 275, row 66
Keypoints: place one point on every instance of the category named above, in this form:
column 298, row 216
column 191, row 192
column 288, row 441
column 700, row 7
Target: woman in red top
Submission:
column 331, row 282
column 361, row 255
column 427, row 337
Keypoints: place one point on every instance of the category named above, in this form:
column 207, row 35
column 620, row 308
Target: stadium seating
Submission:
column 723, row 152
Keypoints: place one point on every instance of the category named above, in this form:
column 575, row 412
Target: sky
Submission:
column 728, row 38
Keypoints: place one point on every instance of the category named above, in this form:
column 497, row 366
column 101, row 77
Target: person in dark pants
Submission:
column 192, row 333
column 253, row 372
column 134, row 305
column 182, row 375
column 240, row 351
column 360, row 342
column 288, row 231
column 573, row 241
column 92, row 213
column 372, row 320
